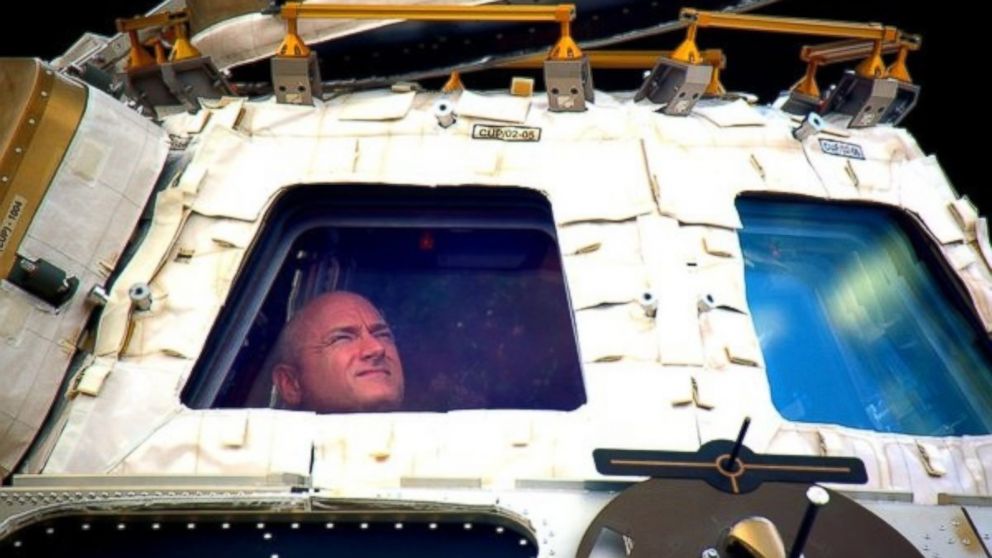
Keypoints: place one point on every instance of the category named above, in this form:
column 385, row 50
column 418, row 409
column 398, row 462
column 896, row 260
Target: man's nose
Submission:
column 372, row 346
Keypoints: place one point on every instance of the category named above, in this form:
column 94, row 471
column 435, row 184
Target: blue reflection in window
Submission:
column 857, row 324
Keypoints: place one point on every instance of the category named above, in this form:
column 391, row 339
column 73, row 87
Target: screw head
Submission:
column 818, row 496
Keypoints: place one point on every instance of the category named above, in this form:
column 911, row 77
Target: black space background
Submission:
column 948, row 121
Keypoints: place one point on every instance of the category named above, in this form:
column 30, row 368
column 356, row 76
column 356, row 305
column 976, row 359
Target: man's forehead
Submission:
column 344, row 311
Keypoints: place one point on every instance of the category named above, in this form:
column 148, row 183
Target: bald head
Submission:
column 338, row 354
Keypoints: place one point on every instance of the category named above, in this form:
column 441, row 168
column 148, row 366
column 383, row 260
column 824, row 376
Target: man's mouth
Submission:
column 372, row 372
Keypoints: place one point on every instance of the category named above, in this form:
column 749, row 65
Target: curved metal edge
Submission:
column 41, row 131
column 268, row 503
column 206, row 13
column 151, row 502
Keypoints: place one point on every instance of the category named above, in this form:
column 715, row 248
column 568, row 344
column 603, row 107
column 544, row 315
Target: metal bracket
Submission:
column 296, row 80
column 569, row 84
column 194, row 78
column 181, row 82
column 677, row 85
column 147, row 87
column 868, row 100
column 43, row 280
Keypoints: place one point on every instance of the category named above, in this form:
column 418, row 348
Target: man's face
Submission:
column 347, row 357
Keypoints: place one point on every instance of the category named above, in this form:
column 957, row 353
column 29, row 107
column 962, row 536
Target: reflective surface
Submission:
column 858, row 325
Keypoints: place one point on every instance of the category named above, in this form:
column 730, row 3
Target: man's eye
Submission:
column 384, row 334
column 339, row 339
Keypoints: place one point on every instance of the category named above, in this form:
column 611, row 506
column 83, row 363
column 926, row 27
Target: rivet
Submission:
column 499, row 530
column 467, row 526
column 267, row 536
column 85, row 526
column 294, row 526
column 329, row 525
column 31, row 121
column 18, row 150
column 432, row 526
column 398, row 526
column 156, row 526
column 191, row 526
column 17, row 544
column 966, row 542
column 523, row 542
column 260, row 526
column 121, row 526
column 225, row 525
column 50, row 531
column 364, row 526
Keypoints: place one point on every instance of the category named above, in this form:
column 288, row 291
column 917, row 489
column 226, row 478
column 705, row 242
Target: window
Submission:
column 466, row 282
column 860, row 323
column 206, row 534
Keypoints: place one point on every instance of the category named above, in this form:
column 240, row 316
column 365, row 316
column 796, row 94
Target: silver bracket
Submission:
column 296, row 81
column 865, row 100
column 569, row 84
column 177, row 83
column 677, row 85
column 194, row 78
column 147, row 86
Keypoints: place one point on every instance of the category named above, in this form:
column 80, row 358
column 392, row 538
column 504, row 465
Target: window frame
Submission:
column 920, row 240
column 304, row 207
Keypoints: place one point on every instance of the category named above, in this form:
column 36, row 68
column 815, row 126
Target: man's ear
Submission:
column 287, row 383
